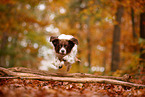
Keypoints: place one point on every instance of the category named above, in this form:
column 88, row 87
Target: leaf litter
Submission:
column 36, row 88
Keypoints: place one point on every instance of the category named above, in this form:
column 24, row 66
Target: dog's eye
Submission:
column 65, row 45
column 60, row 45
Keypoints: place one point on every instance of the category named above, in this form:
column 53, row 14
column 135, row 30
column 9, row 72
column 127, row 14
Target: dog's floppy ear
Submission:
column 74, row 40
column 52, row 38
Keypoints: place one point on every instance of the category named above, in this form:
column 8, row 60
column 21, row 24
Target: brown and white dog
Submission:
column 65, row 47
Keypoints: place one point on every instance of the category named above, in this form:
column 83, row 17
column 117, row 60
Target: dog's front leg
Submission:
column 58, row 63
column 68, row 65
column 78, row 60
column 61, row 64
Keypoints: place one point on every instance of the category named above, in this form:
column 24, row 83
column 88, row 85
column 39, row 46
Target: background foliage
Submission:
column 25, row 28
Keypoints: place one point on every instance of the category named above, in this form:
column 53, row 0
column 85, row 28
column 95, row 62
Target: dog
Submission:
column 65, row 47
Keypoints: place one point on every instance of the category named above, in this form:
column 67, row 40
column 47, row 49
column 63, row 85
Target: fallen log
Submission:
column 17, row 75
column 126, row 77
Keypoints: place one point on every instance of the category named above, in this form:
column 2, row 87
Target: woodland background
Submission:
column 111, row 34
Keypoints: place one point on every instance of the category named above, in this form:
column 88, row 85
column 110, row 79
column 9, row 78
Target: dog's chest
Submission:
column 60, row 57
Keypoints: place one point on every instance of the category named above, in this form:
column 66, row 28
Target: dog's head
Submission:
column 63, row 44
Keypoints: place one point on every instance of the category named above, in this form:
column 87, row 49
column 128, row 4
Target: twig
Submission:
column 45, row 73
column 15, row 75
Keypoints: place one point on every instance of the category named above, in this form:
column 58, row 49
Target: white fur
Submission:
column 63, row 36
column 71, row 56
column 57, row 62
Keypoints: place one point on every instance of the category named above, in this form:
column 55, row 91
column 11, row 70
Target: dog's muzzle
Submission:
column 62, row 51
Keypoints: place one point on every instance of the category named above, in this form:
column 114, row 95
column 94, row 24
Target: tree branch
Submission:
column 17, row 75
column 126, row 77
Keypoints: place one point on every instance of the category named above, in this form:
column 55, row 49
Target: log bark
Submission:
column 126, row 77
column 16, row 75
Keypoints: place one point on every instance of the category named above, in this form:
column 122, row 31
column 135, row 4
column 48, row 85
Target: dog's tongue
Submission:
column 62, row 53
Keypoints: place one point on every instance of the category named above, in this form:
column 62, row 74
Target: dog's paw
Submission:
column 64, row 60
column 60, row 66
column 78, row 60
column 68, row 67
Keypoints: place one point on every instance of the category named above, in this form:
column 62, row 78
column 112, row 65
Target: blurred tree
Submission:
column 89, row 44
column 133, row 24
column 3, row 47
column 116, row 40
column 19, row 38
column 142, row 37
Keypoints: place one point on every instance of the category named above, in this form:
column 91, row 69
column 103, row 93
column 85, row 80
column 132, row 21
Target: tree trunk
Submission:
column 104, row 52
column 3, row 48
column 89, row 44
column 142, row 36
column 80, row 41
column 133, row 24
column 116, row 40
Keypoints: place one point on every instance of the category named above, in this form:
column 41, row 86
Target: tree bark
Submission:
column 126, row 77
column 116, row 40
column 142, row 36
column 89, row 44
column 104, row 52
column 2, row 49
column 133, row 24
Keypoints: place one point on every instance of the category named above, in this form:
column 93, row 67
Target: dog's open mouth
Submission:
column 63, row 53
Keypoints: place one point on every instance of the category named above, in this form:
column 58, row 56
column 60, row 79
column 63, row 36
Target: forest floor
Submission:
column 36, row 88
column 24, row 82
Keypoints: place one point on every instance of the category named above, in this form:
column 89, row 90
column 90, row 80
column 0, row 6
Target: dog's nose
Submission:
column 62, row 51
